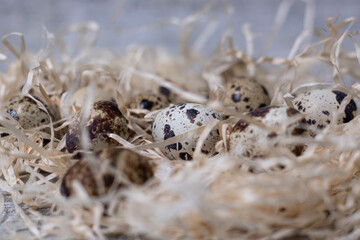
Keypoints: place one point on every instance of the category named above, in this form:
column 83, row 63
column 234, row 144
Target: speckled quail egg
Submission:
column 29, row 115
column 250, row 140
column 319, row 105
column 148, row 101
column 178, row 119
column 245, row 94
column 129, row 166
column 104, row 118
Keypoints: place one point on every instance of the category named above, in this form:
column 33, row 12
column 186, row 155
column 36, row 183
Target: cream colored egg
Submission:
column 245, row 94
column 178, row 119
column 319, row 106
column 250, row 140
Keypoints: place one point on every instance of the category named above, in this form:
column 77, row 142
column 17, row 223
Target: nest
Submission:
column 316, row 195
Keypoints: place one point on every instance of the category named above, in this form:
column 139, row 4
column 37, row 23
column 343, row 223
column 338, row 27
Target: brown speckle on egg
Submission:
column 350, row 109
column 191, row 114
column 261, row 112
column 241, row 125
column 185, row 156
column 290, row 112
column 164, row 91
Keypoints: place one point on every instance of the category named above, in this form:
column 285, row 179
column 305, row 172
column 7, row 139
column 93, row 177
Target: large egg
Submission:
column 245, row 94
column 176, row 120
column 126, row 164
column 319, row 105
column 250, row 140
column 104, row 118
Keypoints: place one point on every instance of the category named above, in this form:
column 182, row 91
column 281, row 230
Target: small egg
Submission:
column 79, row 96
column 245, row 94
column 104, row 118
column 176, row 120
column 147, row 101
column 28, row 114
column 236, row 69
column 129, row 166
column 250, row 140
column 319, row 105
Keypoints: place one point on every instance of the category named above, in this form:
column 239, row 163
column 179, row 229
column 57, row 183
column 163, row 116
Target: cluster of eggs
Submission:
column 261, row 129
column 271, row 127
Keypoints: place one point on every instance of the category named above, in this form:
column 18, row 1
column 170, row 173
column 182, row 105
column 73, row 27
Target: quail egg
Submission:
column 28, row 114
column 245, row 94
column 148, row 101
column 79, row 97
column 129, row 166
column 236, row 69
column 319, row 105
column 250, row 140
column 104, row 118
column 178, row 119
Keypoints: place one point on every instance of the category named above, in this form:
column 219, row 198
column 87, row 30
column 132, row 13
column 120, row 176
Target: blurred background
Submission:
column 119, row 19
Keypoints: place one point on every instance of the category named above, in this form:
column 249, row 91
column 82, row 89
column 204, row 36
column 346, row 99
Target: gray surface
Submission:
column 10, row 222
column 29, row 17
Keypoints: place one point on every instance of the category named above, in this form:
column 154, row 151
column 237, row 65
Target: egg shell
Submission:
column 148, row 101
column 104, row 118
column 319, row 105
column 176, row 120
column 245, row 94
column 129, row 166
column 250, row 140
column 28, row 114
